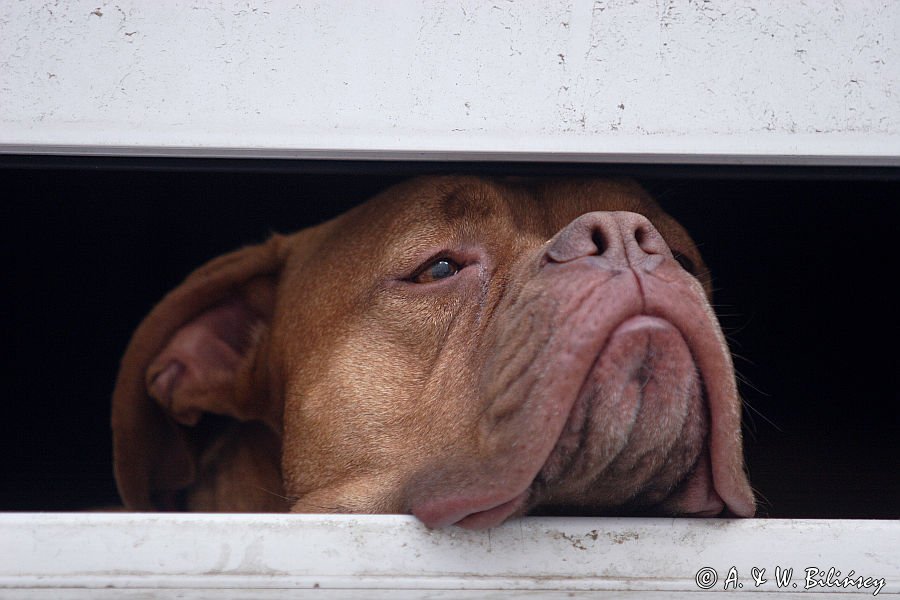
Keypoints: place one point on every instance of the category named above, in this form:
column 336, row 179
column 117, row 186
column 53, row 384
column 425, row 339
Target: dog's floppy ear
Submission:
column 194, row 381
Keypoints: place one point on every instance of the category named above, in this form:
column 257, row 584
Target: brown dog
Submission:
column 462, row 349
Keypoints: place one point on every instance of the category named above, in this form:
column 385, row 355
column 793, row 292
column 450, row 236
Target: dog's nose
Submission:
column 622, row 238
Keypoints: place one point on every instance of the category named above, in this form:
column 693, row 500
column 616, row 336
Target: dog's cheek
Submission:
column 392, row 394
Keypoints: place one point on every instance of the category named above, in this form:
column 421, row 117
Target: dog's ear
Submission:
column 191, row 406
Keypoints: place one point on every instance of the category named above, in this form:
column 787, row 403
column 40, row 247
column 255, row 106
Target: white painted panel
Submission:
column 607, row 80
column 396, row 556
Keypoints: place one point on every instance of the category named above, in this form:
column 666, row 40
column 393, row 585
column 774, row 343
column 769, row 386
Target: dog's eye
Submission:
column 686, row 263
column 440, row 268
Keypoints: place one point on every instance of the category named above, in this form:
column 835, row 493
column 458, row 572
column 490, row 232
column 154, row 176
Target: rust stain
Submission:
column 621, row 538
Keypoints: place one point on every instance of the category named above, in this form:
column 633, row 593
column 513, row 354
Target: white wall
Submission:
column 684, row 81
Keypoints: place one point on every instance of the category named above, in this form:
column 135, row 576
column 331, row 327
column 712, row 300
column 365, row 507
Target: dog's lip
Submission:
column 496, row 515
column 472, row 510
column 704, row 342
column 577, row 420
column 492, row 511
column 573, row 423
column 469, row 513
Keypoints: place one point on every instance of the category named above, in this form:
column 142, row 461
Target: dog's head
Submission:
column 459, row 348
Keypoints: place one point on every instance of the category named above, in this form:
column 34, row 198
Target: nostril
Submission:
column 640, row 236
column 647, row 239
column 599, row 240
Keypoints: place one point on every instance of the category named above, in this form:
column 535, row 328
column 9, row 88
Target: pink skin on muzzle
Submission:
column 622, row 282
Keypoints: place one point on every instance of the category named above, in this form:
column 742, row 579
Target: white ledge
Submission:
column 818, row 151
column 381, row 553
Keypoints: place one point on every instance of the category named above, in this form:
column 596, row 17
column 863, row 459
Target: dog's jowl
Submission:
column 462, row 349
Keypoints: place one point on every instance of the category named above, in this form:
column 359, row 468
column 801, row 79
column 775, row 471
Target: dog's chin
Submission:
column 634, row 441
column 636, row 433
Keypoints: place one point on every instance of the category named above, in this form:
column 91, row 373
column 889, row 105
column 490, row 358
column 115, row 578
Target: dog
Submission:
column 463, row 349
